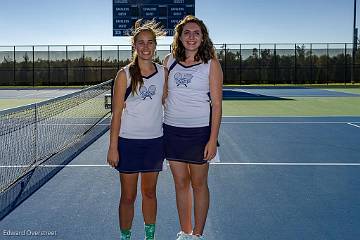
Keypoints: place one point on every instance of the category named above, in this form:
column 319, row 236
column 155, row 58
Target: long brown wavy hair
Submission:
column 156, row 30
column 206, row 49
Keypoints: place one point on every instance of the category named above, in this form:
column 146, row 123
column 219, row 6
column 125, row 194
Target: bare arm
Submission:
column 117, row 106
column 165, row 91
column 216, row 83
column 165, row 94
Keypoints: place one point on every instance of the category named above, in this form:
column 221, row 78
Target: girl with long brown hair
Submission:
column 136, row 134
column 192, row 121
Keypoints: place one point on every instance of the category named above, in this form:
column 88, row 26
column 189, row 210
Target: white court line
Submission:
column 36, row 94
column 250, row 122
column 75, row 124
column 284, row 116
column 354, row 125
column 290, row 164
column 54, row 166
column 287, row 122
column 219, row 163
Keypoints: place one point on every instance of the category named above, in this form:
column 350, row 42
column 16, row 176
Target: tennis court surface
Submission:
column 279, row 178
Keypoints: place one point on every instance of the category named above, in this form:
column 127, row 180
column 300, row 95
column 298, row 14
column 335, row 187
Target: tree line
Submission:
column 304, row 67
column 264, row 66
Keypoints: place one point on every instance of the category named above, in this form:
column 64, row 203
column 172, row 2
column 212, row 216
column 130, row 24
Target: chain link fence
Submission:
column 244, row 64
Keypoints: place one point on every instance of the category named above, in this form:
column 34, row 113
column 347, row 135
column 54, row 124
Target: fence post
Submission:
column 240, row 65
column 345, row 64
column 275, row 64
column 83, row 65
column 67, row 65
column 49, row 75
column 311, row 65
column 295, row 69
column 327, row 64
column 101, row 64
column 225, row 64
column 118, row 58
column 33, row 65
column 353, row 62
column 14, row 70
column 259, row 64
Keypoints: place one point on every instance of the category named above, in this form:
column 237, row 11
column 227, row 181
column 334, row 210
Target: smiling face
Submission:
column 145, row 45
column 191, row 36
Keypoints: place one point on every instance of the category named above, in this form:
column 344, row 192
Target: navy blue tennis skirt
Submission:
column 140, row 155
column 186, row 144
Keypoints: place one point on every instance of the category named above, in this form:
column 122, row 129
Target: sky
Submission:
column 89, row 22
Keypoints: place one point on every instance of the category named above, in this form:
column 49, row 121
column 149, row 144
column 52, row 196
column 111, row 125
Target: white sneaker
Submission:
column 198, row 237
column 184, row 236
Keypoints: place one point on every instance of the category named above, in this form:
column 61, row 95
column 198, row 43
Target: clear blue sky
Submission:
column 25, row 22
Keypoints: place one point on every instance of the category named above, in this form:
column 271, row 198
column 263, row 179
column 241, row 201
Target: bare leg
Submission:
column 181, row 176
column 127, row 199
column 199, row 183
column 149, row 201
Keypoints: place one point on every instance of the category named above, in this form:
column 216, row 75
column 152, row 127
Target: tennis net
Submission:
column 34, row 134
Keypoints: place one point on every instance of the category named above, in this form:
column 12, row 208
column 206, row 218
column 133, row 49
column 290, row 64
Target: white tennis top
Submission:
column 142, row 118
column 187, row 104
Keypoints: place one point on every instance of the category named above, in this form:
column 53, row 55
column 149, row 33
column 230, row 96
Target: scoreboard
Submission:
column 167, row 12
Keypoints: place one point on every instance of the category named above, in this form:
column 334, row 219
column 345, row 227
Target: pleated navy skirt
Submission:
column 186, row 144
column 140, row 155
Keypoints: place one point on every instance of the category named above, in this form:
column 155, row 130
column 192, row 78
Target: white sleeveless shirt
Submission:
column 142, row 118
column 187, row 104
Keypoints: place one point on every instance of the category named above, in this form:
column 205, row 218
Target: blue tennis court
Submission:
column 279, row 178
column 279, row 91
column 32, row 93
column 271, row 93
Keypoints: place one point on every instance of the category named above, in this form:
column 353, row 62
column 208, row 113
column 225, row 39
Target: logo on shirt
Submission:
column 182, row 79
column 147, row 92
